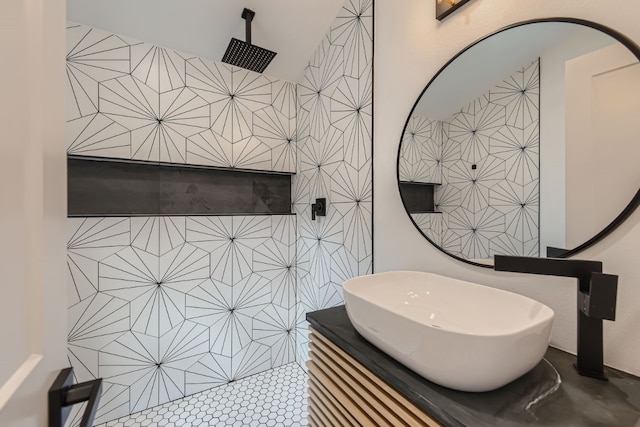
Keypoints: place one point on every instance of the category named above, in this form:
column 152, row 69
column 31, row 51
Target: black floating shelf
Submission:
column 116, row 187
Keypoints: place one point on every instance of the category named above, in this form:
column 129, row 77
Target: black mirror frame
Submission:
column 626, row 212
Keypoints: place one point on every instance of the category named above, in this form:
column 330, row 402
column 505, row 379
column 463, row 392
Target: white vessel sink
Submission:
column 457, row 334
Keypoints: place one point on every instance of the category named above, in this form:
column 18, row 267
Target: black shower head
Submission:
column 244, row 54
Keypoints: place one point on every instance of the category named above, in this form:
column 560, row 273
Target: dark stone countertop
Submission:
column 535, row 399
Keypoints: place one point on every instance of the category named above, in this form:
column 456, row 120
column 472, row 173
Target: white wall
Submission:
column 602, row 133
column 33, row 207
column 411, row 46
column 552, row 132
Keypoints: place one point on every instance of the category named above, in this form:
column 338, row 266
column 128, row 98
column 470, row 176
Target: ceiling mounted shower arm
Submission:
column 248, row 15
column 244, row 54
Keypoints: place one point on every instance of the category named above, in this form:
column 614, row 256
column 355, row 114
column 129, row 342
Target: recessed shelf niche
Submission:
column 418, row 197
column 116, row 187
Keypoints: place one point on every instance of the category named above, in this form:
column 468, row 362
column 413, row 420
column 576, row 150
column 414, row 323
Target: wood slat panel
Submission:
column 351, row 380
column 395, row 405
column 354, row 408
column 321, row 391
column 375, row 397
column 377, row 412
column 424, row 418
column 325, row 406
column 321, row 415
column 311, row 419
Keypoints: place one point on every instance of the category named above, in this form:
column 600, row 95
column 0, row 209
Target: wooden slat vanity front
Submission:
column 342, row 392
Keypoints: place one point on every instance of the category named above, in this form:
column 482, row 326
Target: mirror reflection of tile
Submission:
column 486, row 160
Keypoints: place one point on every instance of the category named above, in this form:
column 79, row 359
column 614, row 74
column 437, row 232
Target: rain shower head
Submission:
column 244, row 54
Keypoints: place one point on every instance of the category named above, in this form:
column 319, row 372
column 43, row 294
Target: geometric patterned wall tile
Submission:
column 413, row 167
column 249, row 297
column 230, row 242
column 276, row 261
column 520, row 150
column 211, row 149
column 251, row 359
column 93, row 56
column 278, row 133
column 209, row 303
column 98, row 135
column 159, row 123
column 114, row 402
column 489, row 174
column 134, row 100
column 162, row 69
column 98, row 319
column 152, row 367
column 353, row 30
column 520, row 95
column 334, row 161
column 451, row 242
column 317, row 87
column 475, row 229
column 211, row 370
column 344, row 266
column 233, row 94
column 322, row 238
column 158, row 235
column 150, row 320
column 421, row 156
column 473, row 126
column 351, row 105
column 319, row 159
column 284, row 98
column 97, row 238
column 251, row 153
column 274, row 326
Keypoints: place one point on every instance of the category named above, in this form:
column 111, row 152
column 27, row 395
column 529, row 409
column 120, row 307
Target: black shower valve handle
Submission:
column 319, row 208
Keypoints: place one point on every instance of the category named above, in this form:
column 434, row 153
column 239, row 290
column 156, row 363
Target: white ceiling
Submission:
column 292, row 28
column 490, row 61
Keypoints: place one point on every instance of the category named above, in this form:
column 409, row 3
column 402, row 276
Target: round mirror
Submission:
column 526, row 143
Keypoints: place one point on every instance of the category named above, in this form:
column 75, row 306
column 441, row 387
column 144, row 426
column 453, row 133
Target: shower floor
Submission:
column 277, row 397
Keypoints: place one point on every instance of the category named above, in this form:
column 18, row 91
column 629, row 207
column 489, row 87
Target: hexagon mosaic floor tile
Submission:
column 277, row 397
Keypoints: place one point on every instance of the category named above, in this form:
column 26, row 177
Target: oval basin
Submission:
column 457, row 334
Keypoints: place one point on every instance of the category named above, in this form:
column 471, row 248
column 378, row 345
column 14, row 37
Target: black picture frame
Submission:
column 445, row 8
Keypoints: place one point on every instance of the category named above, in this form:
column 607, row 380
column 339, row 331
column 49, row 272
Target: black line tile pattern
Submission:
column 164, row 307
column 133, row 100
column 335, row 161
column 99, row 187
column 277, row 397
column 487, row 158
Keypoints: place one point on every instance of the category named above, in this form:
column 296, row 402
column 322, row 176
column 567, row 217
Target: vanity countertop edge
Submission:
column 551, row 394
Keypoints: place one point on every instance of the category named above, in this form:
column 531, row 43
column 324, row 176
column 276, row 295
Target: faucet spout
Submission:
column 596, row 301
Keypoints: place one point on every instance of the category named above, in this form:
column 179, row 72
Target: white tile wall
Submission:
column 335, row 162
column 494, row 207
column 164, row 307
column 133, row 100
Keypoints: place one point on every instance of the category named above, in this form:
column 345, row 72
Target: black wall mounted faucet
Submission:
column 319, row 208
column 596, row 301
